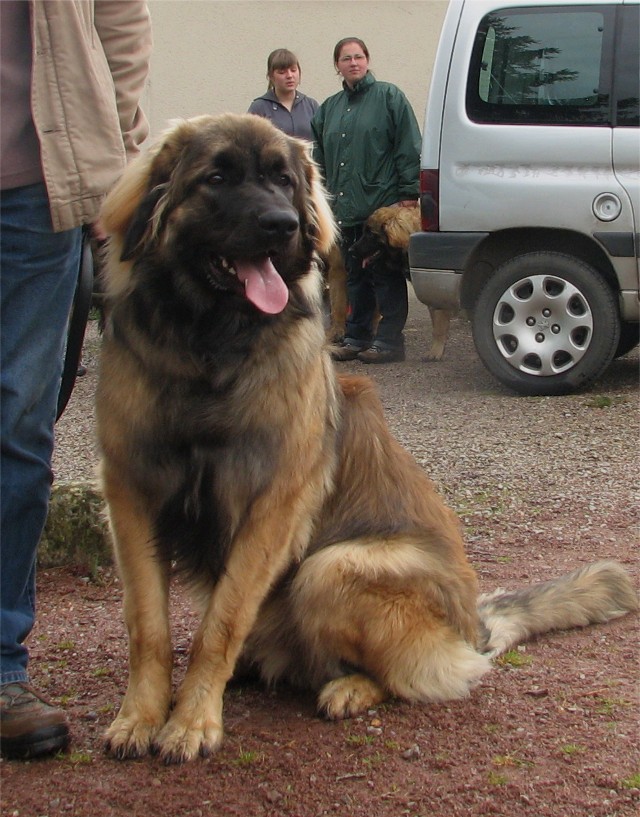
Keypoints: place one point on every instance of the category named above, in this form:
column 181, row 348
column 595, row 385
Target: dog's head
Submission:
column 386, row 234
column 228, row 205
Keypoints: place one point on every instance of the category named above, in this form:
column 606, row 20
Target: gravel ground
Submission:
column 489, row 451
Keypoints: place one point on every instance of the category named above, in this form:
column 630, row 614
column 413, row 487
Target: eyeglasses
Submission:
column 350, row 57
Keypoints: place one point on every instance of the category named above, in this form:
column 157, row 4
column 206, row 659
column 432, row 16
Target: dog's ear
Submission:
column 320, row 223
column 130, row 206
column 393, row 231
column 400, row 223
column 394, row 226
column 141, row 220
column 123, row 200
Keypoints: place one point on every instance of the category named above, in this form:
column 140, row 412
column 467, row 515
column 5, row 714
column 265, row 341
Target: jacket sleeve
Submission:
column 125, row 33
column 407, row 146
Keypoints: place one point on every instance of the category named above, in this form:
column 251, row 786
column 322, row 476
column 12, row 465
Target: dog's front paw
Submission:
column 349, row 696
column 131, row 736
column 179, row 741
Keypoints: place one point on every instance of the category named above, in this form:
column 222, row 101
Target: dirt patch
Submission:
column 552, row 731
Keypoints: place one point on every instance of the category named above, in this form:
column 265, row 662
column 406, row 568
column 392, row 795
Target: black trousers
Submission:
column 371, row 288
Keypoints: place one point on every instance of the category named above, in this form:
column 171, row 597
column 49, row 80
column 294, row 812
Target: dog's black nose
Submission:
column 279, row 223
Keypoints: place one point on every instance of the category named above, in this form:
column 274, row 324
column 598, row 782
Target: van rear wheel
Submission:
column 546, row 323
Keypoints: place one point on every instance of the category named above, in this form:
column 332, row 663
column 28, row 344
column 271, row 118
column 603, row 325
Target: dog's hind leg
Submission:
column 440, row 320
column 380, row 608
column 145, row 583
column 349, row 695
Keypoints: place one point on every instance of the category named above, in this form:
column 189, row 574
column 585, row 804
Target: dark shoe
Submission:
column 29, row 726
column 377, row 355
column 345, row 351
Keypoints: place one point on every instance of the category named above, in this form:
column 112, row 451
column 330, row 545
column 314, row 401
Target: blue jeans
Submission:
column 38, row 275
column 371, row 288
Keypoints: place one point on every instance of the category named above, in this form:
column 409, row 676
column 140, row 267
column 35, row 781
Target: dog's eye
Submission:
column 274, row 177
column 215, row 178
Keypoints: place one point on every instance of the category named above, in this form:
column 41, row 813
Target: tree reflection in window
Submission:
column 542, row 66
column 518, row 68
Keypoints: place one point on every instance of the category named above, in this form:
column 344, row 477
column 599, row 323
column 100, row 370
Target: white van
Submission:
column 530, row 186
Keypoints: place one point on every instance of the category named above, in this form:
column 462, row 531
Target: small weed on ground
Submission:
column 246, row 758
column 572, row 749
column 514, row 658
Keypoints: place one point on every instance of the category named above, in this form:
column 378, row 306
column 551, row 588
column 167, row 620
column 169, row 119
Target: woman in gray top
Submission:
column 282, row 103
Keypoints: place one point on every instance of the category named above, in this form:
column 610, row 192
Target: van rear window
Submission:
column 542, row 66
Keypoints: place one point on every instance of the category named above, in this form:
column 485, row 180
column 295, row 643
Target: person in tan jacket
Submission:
column 71, row 78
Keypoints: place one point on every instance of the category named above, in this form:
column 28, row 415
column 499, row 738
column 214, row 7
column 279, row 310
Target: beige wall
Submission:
column 210, row 55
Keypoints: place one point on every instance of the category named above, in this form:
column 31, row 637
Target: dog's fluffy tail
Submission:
column 589, row 595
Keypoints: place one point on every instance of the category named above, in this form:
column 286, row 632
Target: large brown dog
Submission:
column 321, row 552
column 385, row 240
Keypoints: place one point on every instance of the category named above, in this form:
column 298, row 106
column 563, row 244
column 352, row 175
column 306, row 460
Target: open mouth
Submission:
column 263, row 284
column 369, row 259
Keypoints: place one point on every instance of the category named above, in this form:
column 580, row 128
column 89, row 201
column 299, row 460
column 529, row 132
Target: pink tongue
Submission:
column 263, row 285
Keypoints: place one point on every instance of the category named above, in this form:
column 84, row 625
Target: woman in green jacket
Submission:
column 367, row 143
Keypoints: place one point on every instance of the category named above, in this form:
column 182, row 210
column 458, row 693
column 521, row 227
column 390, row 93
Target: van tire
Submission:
column 546, row 323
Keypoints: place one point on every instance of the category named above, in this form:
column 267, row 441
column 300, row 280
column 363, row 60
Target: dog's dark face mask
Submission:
column 231, row 211
column 369, row 247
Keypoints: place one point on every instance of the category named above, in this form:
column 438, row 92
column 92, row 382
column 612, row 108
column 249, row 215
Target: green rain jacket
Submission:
column 367, row 144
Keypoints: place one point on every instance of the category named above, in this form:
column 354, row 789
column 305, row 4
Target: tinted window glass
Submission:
column 627, row 71
column 539, row 66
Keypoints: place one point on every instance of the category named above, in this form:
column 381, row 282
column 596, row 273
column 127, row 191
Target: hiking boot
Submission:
column 375, row 354
column 29, row 725
column 346, row 351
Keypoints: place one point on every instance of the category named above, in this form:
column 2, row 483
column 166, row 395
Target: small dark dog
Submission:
column 386, row 240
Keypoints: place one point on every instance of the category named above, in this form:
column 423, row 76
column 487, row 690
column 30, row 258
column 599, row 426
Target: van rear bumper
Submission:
column 436, row 262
